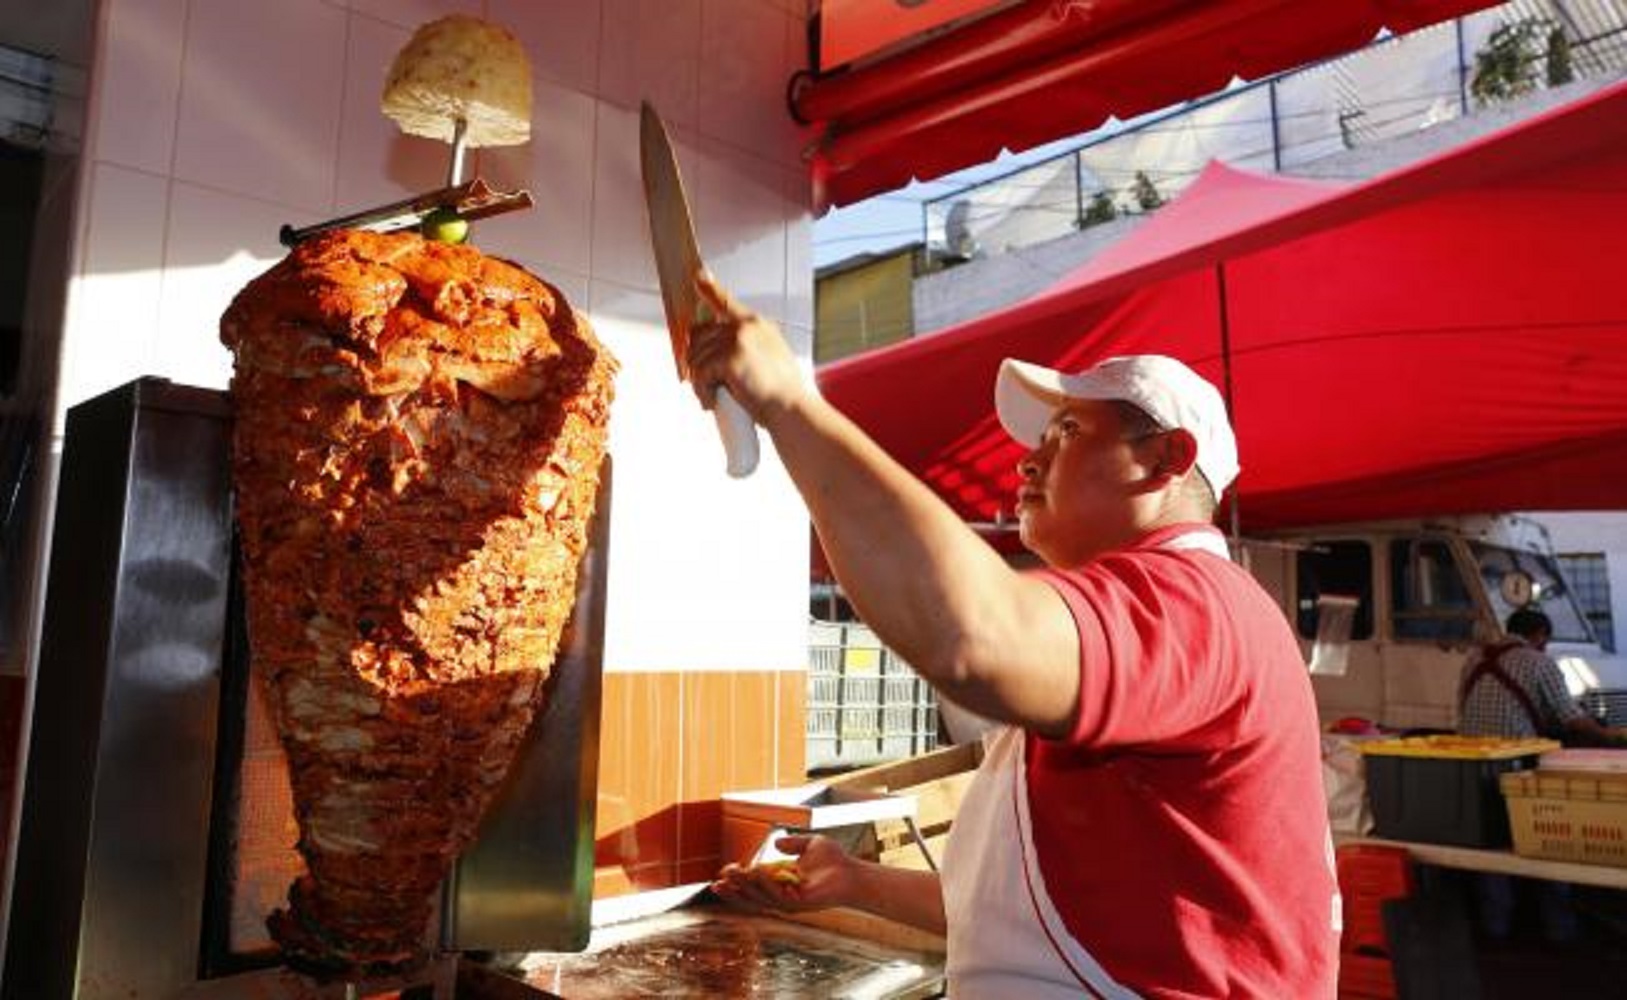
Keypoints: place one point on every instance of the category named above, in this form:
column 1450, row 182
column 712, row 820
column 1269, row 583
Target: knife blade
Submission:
column 677, row 265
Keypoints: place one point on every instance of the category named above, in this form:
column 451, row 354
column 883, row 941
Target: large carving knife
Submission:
column 678, row 264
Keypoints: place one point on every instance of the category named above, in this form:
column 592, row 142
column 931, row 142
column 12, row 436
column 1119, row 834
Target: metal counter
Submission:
column 709, row 951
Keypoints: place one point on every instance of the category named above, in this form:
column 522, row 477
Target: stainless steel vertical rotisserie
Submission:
column 135, row 804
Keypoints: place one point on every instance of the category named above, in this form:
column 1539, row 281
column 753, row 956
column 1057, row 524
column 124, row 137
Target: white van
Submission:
column 1426, row 592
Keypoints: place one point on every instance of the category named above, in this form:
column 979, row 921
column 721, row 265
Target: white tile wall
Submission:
column 705, row 570
column 658, row 424
column 138, row 84
column 749, row 49
column 741, row 213
column 562, row 37
column 558, row 167
column 260, row 99
column 621, row 250
column 378, row 164
column 799, row 265
column 410, row 14
column 743, row 216
column 116, row 303
column 652, row 52
column 217, row 242
column 237, row 118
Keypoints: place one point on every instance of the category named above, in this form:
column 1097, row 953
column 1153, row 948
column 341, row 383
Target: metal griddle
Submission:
column 709, row 951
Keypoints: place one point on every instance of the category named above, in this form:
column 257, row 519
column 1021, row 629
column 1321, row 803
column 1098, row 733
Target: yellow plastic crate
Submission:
column 1458, row 747
column 1568, row 815
column 1443, row 789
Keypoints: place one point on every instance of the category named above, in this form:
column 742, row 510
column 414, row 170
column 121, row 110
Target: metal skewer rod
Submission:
column 920, row 842
column 460, row 140
column 471, row 200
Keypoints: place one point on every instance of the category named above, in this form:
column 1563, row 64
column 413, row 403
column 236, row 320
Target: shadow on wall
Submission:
column 643, row 851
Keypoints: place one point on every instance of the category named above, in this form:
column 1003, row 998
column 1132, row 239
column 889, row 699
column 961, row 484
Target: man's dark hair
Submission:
column 1528, row 622
column 1136, row 423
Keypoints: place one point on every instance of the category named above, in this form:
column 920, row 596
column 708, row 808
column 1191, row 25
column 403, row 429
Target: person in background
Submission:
column 1148, row 819
column 1512, row 688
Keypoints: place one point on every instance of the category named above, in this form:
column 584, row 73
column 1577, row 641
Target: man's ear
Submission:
column 1179, row 452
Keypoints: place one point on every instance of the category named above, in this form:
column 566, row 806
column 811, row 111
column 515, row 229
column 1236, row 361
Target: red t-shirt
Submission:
column 1182, row 830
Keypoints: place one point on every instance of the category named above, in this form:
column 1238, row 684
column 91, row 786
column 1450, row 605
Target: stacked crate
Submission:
column 1569, row 811
column 865, row 705
column 1368, row 876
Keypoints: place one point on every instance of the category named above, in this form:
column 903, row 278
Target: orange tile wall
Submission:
column 669, row 743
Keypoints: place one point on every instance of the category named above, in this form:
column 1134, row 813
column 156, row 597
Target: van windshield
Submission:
column 1548, row 590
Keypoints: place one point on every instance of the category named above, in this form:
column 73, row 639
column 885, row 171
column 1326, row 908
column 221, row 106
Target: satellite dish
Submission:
column 959, row 243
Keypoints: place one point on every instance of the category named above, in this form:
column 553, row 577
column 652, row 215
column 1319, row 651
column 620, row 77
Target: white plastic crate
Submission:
column 865, row 704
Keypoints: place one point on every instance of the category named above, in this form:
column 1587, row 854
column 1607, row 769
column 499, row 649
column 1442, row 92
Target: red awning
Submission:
column 1447, row 338
column 850, row 30
column 1044, row 69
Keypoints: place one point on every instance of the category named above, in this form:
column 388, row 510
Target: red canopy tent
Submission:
column 1449, row 337
column 1036, row 70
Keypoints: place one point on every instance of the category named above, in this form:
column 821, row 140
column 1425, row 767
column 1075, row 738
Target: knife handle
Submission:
column 739, row 434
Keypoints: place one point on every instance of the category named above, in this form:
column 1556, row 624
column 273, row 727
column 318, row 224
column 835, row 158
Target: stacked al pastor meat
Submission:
column 419, row 435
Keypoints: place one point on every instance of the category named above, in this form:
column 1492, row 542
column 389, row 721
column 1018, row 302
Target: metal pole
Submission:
column 881, row 700
column 1226, row 369
column 1276, row 127
column 920, row 842
column 1078, row 190
column 841, row 692
column 460, row 141
column 1463, row 69
column 918, row 714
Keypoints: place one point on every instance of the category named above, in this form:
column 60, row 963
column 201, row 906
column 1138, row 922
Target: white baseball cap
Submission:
column 1173, row 395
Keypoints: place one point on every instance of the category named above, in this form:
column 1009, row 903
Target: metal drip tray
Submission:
column 708, row 952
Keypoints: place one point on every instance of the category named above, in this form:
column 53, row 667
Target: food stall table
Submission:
column 1501, row 862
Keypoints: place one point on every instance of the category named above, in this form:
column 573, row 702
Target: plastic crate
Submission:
column 1443, row 789
column 1366, row 977
column 1568, row 815
column 865, row 704
column 1368, row 875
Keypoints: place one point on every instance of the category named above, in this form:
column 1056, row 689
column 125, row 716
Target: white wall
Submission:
column 1596, row 532
column 213, row 122
column 983, row 285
